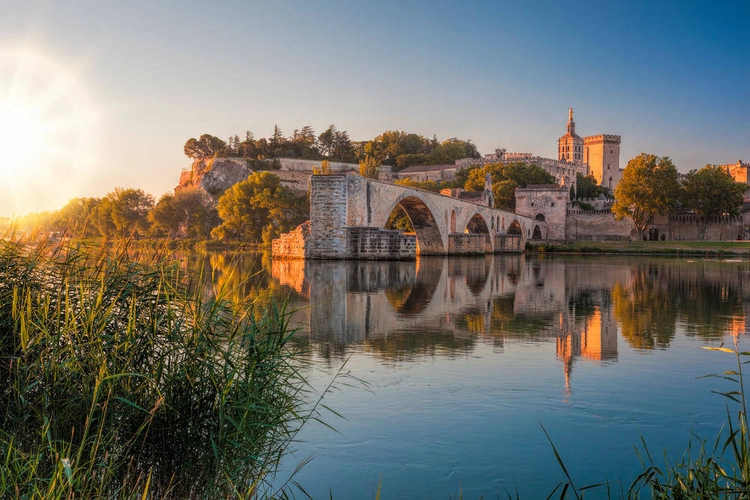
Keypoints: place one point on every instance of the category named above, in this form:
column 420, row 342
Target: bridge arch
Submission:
column 537, row 234
column 478, row 225
column 429, row 238
column 515, row 228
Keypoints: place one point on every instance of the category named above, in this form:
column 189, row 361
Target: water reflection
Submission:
column 401, row 311
column 404, row 310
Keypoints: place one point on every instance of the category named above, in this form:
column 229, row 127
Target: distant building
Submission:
column 597, row 155
column 738, row 171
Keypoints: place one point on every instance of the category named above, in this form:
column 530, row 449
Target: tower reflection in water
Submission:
column 399, row 311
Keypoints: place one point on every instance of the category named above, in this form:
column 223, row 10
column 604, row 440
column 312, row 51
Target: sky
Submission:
column 96, row 95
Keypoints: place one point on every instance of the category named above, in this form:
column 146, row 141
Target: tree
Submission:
column 506, row 177
column 188, row 212
column 326, row 140
column 76, row 217
column 123, row 213
column 277, row 142
column 259, row 209
column 648, row 187
column 207, row 146
column 369, row 168
column 586, row 187
column 712, row 192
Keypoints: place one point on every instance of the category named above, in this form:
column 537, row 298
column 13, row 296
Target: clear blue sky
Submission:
column 670, row 77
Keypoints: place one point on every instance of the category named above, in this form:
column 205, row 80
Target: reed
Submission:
column 119, row 379
column 718, row 470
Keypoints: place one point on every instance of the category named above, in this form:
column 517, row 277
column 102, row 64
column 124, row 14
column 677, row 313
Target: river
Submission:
column 455, row 368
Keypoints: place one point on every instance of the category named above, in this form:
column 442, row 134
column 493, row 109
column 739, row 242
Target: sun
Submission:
column 22, row 136
column 47, row 133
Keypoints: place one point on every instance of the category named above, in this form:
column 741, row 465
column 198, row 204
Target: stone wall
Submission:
column 372, row 243
column 688, row 227
column 507, row 243
column 596, row 225
column 466, row 244
column 544, row 203
column 564, row 172
column 292, row 245
column 328, row 214
column 300, row 165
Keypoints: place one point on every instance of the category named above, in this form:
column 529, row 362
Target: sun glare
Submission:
column 46, row 133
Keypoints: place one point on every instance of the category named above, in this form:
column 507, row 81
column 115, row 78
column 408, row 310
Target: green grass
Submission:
column 121, row 380
column 647, row 247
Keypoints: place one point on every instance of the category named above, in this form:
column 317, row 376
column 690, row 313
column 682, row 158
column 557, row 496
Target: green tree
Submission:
column 259, row 209
column 187, row 212
column 369, row 168
column 586, row 187
column 123, row 213
column 506, row 177
column 451, row 150
column 207, row 146
column 648, row 186
column 326, row 140
column 76, row 218
column 712, row 192
column 277, row 142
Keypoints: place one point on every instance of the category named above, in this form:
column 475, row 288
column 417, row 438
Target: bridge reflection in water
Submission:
column 438, row 306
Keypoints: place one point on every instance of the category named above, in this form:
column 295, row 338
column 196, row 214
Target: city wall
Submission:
column 596, row 225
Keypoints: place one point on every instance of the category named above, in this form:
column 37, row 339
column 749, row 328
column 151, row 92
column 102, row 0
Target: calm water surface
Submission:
column 464, row 360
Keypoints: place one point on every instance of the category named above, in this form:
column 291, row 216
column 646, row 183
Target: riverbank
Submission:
column 687, row 248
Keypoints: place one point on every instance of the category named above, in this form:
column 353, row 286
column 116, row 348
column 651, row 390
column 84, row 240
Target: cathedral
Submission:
column 600, row 154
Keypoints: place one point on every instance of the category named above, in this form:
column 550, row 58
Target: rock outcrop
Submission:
column 214, row 175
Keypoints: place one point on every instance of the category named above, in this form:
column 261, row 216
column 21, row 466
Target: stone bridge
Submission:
column 348, row 214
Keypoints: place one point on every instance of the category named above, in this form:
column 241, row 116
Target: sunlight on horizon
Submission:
column 48, row 133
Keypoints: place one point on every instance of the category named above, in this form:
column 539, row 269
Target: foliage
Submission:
column 123, row 213
column 186, row 213
column 258, row 209
column 401, row 149
column 427, row 185
column 76, row 217
column 586, row 187
column 119, row 381
column 506, row 177
column 206, row 147
column 712, row 192
column 369, row 168
column 325, row 168
column 648, row 187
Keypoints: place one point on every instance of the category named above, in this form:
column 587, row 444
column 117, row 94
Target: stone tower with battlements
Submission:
column 570, row 145
column 602, row 155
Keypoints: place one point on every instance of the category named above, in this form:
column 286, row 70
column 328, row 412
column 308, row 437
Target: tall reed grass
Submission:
column 119, row 379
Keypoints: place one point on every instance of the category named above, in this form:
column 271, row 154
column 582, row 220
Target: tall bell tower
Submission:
column 570, row 145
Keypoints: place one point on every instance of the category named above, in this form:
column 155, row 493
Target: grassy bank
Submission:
column 687, row 248
column 120, row 380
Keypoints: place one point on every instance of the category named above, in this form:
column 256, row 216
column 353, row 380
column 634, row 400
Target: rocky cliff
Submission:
column 214, row 175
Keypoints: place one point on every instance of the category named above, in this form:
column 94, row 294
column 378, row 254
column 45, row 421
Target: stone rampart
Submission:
column 603, row 137
column 596, row 225
column 691, row 227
